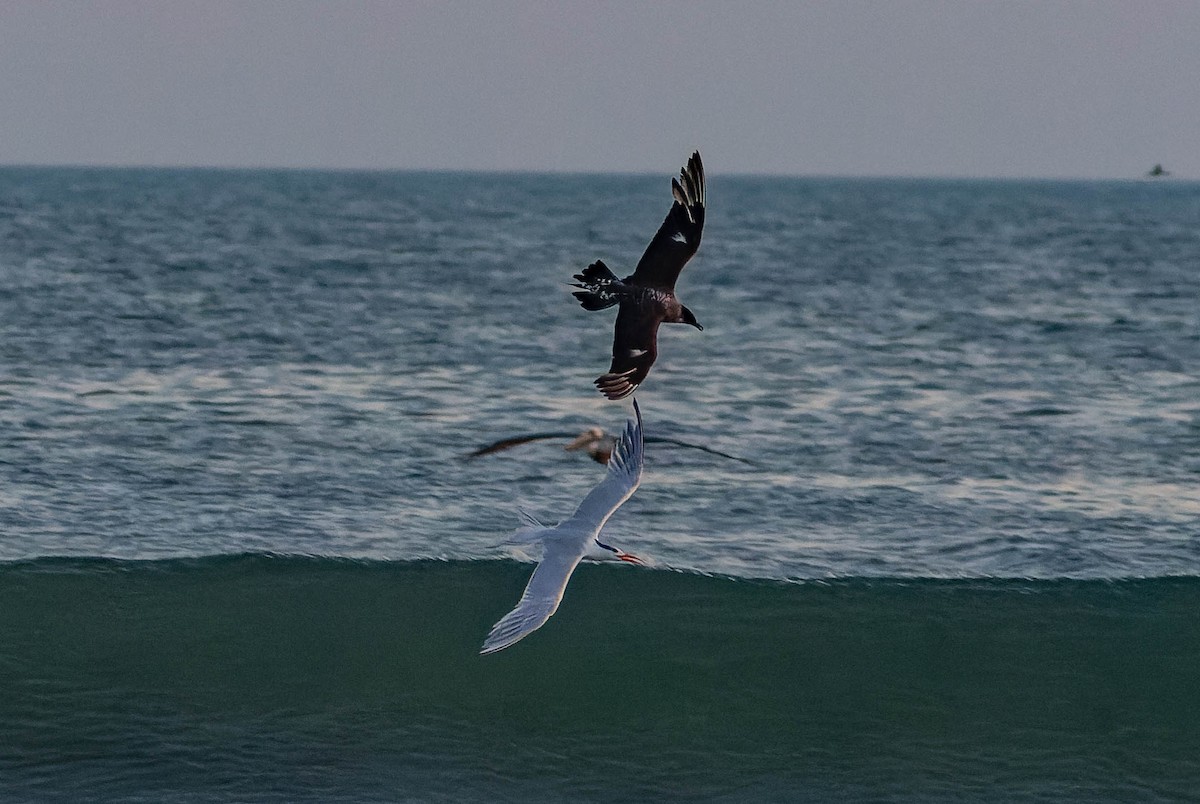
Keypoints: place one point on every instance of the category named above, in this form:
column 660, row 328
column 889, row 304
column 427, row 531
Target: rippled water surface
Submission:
column 930, row 378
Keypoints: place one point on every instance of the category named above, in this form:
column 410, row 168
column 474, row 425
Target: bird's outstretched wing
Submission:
column 620, row 481
column 679, row 236
column 710, row 450
column 635, row 348
column 516, row 441
column 541, row 598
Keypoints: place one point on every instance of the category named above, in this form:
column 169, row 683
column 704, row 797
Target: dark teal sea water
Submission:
column 242, row 557
column 282, row 679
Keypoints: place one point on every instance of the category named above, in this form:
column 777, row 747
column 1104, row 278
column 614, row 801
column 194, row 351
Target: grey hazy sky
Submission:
column 1086, row 88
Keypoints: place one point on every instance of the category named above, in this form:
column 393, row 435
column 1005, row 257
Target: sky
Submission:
column 1084, row 89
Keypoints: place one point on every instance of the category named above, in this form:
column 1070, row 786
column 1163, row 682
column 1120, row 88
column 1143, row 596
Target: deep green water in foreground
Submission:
column 282, row 678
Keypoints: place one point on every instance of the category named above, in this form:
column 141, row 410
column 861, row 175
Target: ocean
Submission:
column 244, row 555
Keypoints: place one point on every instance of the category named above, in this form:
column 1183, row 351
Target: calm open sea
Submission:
column 242, row 556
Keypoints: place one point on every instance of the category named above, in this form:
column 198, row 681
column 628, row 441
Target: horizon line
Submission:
column 282, row 168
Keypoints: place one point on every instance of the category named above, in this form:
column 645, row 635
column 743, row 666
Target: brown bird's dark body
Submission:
column 647, row 296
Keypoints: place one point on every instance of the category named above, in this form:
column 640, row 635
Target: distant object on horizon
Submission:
column 594, row 441
column 1158, row 171
column 647, row 296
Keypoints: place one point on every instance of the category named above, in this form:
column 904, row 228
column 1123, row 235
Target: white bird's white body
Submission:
column 566, row 544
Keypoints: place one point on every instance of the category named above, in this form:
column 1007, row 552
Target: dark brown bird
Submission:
column 647, row 296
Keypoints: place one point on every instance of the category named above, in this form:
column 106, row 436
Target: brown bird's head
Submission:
column 595, row 442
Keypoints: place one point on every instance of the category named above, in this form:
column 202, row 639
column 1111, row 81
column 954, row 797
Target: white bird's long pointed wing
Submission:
column 564, row 546
column 542, row 595
column 622, row 479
